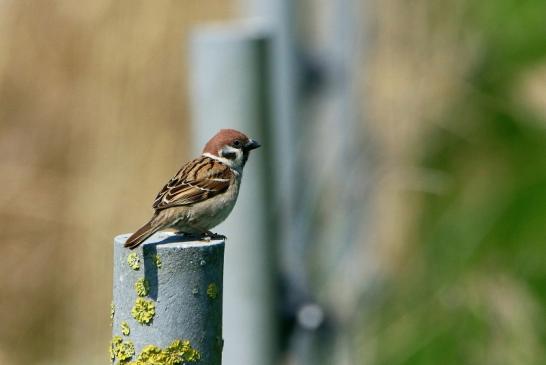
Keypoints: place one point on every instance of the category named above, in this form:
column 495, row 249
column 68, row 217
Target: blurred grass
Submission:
column 469, row 285
column 93, row 113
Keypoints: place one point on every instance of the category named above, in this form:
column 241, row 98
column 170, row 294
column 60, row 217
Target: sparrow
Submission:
column 203, row 192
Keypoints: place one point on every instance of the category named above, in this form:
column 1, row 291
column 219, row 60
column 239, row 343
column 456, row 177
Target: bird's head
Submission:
column 231, row 147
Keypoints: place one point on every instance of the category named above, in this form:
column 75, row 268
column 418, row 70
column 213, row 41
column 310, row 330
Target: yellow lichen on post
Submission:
column 125, row 330
column 157, row 261
column 178, row 352
column 143, row 311
column 212, row 291
column 121, row 350
column 134, row 261
column 112, row 313
column 142, row 287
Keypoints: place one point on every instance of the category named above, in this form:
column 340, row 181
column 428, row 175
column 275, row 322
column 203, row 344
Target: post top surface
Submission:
column 170, row 240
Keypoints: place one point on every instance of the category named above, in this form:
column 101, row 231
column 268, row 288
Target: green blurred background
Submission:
column 94, row 118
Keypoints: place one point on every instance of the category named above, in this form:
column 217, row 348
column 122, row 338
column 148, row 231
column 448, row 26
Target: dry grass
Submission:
column 93, row 111
column 418, row 64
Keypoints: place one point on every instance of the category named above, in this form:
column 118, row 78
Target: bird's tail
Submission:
column 142, row 234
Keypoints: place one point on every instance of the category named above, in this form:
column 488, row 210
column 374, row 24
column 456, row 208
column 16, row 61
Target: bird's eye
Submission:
column 237, row 143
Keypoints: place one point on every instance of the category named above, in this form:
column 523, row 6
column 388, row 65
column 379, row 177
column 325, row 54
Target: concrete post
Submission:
column 167, row 302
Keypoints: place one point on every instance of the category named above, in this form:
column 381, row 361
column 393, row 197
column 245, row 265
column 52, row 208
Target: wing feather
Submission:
column 196, row 181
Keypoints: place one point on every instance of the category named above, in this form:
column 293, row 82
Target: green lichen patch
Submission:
column 121, row 350
column 157, row 261
column 134, row 261
column 150, row 354
column 182, row 351
column 143, row 311
column 142, row 287
column 178, row 352
column 212, row 290
column 125, row 330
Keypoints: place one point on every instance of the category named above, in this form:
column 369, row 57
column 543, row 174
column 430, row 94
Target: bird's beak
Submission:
column 251, row 145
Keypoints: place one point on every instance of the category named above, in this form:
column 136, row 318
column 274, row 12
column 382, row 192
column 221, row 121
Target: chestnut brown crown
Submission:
column 232, row 138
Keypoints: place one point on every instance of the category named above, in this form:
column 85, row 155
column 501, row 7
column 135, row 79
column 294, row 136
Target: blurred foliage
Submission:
column 472, row 288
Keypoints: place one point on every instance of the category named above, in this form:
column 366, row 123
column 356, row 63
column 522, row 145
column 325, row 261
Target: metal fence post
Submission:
column 167, row 303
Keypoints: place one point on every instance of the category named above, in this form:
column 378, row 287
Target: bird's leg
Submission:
column 208, row 235
column 216, row 236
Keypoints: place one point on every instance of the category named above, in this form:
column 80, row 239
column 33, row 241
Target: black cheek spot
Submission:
column 229, row 155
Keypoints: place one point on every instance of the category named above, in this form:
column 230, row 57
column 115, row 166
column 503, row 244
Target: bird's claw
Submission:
column 208, row 236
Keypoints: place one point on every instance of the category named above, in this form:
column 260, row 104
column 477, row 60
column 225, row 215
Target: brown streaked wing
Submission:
column 196, row 181
column 177, row 179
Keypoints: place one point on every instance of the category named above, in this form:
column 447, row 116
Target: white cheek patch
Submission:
column 236, row 163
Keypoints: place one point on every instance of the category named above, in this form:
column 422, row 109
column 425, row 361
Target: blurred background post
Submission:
column 404, row 152
column 230, row 82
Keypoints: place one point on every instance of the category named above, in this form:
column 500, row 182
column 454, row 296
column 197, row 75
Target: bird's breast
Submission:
column 213, row 211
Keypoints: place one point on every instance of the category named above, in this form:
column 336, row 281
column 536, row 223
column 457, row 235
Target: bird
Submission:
column 203, row 192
